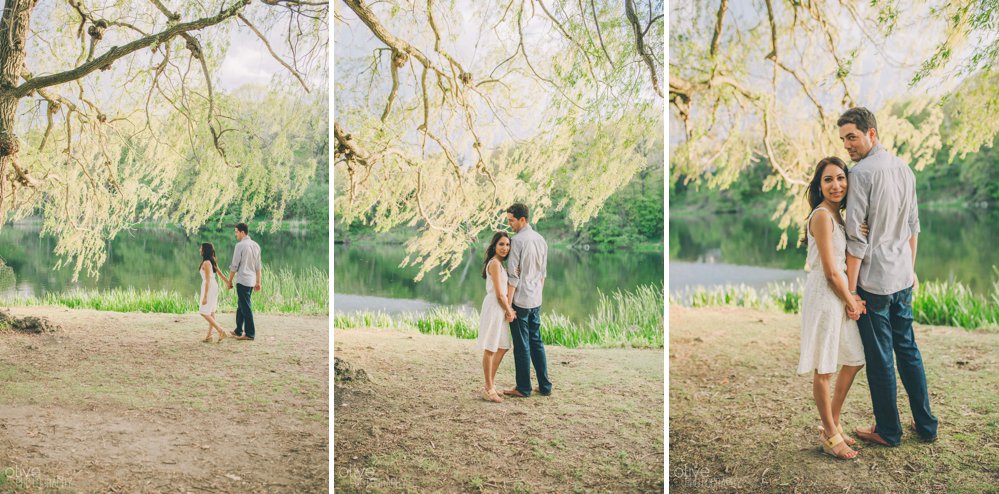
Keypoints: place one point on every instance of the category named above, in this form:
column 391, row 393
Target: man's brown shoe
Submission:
column 513, row 392
column 871, row 436
column 244, row 338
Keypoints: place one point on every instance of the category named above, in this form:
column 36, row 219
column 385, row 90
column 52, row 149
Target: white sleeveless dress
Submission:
column 829, row 338
column 213, row 294
column 494, row 331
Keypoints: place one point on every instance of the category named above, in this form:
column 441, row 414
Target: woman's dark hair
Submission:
column 491, row 251
column 208, row 254
column 814, row 192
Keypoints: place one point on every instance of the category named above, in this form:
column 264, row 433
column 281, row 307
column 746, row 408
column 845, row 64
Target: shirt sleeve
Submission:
column 857, row 198
column 914, row 209
column 237, row 256
column 544, row 259
column 513, row 264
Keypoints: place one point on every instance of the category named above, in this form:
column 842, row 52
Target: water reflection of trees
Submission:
column 571, row 288
column 953, row 245
column 152, row 258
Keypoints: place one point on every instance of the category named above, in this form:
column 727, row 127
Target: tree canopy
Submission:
column 111, row 114
column 766, row 81
column 448, row 112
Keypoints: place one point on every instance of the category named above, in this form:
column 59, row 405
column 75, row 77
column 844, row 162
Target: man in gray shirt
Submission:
column 527, row 266
column 881, row 272
column 245, row 267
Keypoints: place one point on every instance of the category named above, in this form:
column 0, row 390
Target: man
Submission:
column 527, row 266
column 245, row 267
column 881, row 272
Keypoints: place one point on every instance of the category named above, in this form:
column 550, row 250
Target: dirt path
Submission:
column 137, row 403
column 741, row 421
column 420, row 424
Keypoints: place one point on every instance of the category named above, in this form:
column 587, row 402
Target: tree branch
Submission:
column 629, row 9
column 117, row 52
column 269, row 49
column 718, row 28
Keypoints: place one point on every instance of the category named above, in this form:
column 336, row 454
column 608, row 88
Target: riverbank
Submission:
column 129, row 402
column 419, row 424
column 742, row 421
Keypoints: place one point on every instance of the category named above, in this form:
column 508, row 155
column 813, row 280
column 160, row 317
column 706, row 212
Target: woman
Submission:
column 829, row 335
column 210, row 290
column 494, row 333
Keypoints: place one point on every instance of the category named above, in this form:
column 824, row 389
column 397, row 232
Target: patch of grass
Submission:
column 943, row 303
column 624, row 319
column 284, row 292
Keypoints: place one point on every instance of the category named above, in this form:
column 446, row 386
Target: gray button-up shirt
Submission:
column 246, row 262
column 527, row 266
column 882, row 192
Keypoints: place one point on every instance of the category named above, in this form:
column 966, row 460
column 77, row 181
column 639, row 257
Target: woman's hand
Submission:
column 204, row 301
column 855, row 309
column 864, row 229
column 510, row 316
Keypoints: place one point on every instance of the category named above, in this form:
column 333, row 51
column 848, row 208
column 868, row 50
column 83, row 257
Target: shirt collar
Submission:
column 526, row 228
column 878, row 148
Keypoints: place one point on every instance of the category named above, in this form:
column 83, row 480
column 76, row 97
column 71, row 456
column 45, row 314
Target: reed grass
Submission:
column 284, row 292
column 938, row 303
column 629, row 319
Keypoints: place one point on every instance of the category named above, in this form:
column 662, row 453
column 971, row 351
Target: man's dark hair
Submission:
column 518, row 211
column 242, row 227
column 859, row 116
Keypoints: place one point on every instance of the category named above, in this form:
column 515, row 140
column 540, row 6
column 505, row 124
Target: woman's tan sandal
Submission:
column 846, row 439
column 490, row 395
column 829, row 447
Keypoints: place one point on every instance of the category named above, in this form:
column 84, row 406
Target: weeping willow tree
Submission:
column 111, row 114
column 448, row 112
column 766, row 81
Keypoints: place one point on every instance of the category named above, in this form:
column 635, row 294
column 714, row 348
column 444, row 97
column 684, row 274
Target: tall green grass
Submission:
column 630, row 319
column 938, row 303
column 283, row 292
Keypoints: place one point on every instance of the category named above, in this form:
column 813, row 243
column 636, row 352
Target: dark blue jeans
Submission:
column 884, row 329
column 527, row 348
column 244, row 311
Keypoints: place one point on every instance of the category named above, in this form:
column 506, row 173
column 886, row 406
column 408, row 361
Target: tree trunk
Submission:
column 13, row 33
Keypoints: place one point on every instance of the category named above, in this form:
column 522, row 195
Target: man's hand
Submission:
column 915, row 281
column 256, row 287
column 510, row 316
column 858, row 308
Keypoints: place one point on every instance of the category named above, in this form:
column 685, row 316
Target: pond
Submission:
column 154, row 258
column 953, row 246
column 574, row 277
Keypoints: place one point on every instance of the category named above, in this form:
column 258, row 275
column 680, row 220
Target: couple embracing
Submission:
column 511, row 309
column 857, row 305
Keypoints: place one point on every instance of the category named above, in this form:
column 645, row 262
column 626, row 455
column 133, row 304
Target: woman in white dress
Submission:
column 830, row 338
column 496, row 313
column 209, row 294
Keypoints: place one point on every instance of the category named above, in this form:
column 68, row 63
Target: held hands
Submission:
column 856, row 309
column 510, row 316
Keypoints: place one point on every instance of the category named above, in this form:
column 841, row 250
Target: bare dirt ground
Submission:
column 117, row 402
column 742, row 421
column 420, row 425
